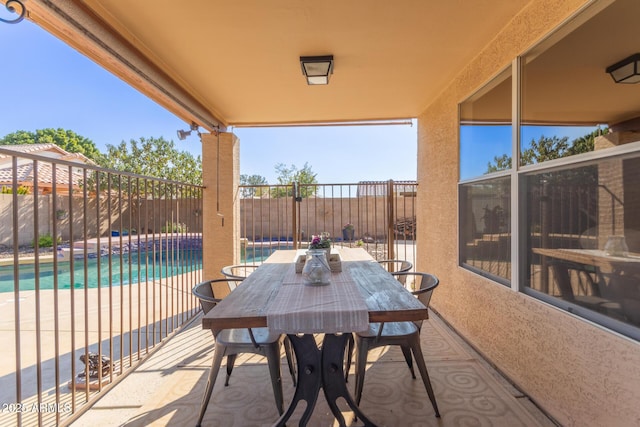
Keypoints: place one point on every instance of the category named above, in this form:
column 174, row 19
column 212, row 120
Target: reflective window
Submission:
column 567, row 97
column 583, row 230
column 584, row 237
column 485, row 129
column 579, row 216
column 485, row 237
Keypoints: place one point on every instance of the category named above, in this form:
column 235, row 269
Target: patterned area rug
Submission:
column 468, row 391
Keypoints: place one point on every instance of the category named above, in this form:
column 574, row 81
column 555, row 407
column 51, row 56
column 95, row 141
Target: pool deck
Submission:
column 75, row 320
column 26, row 260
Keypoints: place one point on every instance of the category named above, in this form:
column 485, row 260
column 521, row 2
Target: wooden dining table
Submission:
column 274, row 296
column 595, row 257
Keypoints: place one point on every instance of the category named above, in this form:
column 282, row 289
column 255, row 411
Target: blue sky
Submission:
column 46, row 84
column 479, row 145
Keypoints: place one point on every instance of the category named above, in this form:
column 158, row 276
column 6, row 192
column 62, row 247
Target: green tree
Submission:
column 547, row 149
column 500, row 163
column 254, row 183
column 65, row 139
column 155, row 157
column 290, row 174
column 586, row 143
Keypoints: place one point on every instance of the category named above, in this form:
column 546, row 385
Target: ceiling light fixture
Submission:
column 627, row 70
column 183, row 134
column 317, row 69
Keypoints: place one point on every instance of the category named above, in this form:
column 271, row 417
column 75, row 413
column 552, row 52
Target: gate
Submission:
column 379, row 216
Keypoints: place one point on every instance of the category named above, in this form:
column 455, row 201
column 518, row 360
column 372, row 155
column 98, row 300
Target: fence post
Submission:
column 391, row 220
column 294, row 217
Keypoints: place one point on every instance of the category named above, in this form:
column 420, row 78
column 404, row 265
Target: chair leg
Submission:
column 406, row 351
column 288, row 350
column 349, row 357
column 417, row 354
column 362, row 350
column 272, row 352
column 218, row 354
column 231, row 360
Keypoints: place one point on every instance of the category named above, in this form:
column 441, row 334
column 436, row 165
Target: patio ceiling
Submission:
column 230, row 62
column 237, row 62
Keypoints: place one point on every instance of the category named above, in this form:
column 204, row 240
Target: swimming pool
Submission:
column 142, row 267
column 149, row 266
column 259, row 251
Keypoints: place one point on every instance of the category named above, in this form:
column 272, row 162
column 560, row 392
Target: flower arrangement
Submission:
column 321, row 241
column 348, row 226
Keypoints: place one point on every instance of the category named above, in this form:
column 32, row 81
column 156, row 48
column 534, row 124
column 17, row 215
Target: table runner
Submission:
column 332, row 308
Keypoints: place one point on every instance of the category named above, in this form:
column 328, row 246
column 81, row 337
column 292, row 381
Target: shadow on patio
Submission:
column 167, row 389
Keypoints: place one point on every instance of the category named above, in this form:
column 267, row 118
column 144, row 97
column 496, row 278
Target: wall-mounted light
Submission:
column 317, row 69
column 11, row 5
column 627, row 70
column 183, row 134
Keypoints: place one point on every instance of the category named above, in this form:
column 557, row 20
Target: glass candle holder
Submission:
column 616, row 246
column 316, row 270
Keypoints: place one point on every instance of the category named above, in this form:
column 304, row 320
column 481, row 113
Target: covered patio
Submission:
column 519, row 68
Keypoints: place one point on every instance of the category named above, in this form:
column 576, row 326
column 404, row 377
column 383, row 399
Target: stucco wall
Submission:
column 222, row 214
column 579, row 373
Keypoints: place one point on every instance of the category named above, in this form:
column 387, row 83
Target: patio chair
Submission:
column 404, row 334
column 393, row 266
column 587, row 293
column 231, row 342
column 396, row 266
column 237, row 272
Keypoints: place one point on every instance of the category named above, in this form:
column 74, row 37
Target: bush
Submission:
column 175, row 227
column 9, row 190
column 46, row 241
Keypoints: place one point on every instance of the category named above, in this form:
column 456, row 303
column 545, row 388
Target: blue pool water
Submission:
column 150, row 266
column 259, row 252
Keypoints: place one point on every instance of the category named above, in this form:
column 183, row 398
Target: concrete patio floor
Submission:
column 167, row 389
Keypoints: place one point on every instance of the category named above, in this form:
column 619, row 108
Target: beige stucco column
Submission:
column 221, row 219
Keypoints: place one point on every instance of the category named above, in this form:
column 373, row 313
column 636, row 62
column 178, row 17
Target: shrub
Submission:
column 9, row 190
column 175, row 227
column 45, row 241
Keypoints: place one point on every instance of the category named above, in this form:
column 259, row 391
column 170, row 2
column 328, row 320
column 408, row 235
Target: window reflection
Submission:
column 584, row 236
column 486, row 233
column 581, row 243
column 567, row 98
column 485, row 129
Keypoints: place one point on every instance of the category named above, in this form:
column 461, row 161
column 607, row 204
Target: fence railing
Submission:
column 97, row 267
column 96, row 270
column 381, row 216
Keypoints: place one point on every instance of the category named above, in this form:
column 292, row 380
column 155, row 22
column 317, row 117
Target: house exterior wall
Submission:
column 581, row 374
